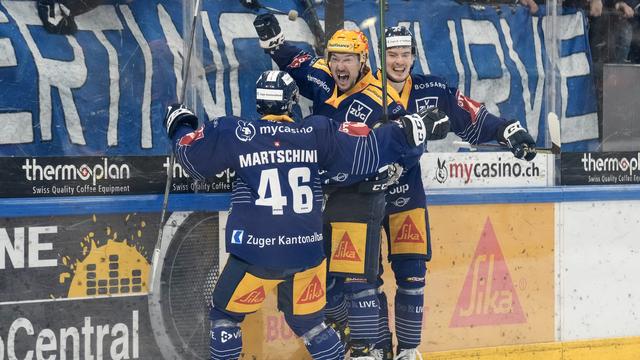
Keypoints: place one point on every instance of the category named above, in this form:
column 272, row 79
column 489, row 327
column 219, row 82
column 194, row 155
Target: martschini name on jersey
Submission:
column 276, row 129
column 278, row 157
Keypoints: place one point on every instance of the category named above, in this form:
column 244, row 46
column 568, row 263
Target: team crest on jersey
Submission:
column 188, row 139
column 358, row 111
column 245, row 131
column 355, row 128
column 298, row 60
column 427, row 102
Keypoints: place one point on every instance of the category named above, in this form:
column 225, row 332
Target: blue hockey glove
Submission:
column 178, row 114
column 521, row 144
column 414, row 128
column 269, row 32
column 436, row 122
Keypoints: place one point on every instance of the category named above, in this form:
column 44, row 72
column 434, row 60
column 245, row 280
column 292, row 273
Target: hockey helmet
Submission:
column 348, row 42
column 276, row 93
column 399, row 36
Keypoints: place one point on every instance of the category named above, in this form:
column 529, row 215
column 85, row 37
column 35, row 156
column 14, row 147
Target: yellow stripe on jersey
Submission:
column 321, row 64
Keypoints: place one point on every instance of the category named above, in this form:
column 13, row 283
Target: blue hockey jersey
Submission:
column 362, row 103
column 276, row 216
column 469, row 119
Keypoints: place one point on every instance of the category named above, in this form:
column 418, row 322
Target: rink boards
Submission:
column 510, row 268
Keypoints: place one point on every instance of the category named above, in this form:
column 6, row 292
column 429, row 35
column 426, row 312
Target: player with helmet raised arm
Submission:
column 406, row 221
column 342, row 87
column 274, row 231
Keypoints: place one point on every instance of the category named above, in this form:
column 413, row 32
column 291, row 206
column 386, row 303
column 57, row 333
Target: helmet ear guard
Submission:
column 276, row 93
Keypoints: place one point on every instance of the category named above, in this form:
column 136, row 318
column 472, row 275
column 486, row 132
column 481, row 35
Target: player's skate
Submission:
column 408, row 354
column 360, row 351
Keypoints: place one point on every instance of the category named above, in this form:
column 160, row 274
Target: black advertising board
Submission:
column 78, row 286
column 99, row 175
column 600, row 168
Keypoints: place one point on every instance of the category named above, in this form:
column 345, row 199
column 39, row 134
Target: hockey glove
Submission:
column 436, row 122
column 518, row 140
column 414, row 128
column 178, row 114
column 269, row 32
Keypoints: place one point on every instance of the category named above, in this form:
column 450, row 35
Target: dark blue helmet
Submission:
column 276, row 93
column 399, row 36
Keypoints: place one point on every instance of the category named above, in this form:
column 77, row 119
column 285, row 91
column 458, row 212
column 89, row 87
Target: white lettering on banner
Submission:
column 99, row 20
column 488, row 91
column 420, row 49
column 17, row 127
column 581, row 127
column 25, row 14
column 296, row 31
column 124, row 340
column 531, row 111
column 146, row 140
column 16, row 251
column 453, row 38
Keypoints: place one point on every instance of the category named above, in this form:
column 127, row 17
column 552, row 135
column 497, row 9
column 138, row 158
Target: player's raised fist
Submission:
column 178, row 114
column 269, row 31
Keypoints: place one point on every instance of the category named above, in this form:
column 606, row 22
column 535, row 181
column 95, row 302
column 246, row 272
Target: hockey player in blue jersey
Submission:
column 274, row 230
column 342, row 87
column 406, row 221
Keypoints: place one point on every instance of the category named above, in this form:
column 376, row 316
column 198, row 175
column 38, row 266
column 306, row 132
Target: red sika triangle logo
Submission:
column 488, row 296
column 408, row 232
column 346, row 251
column 255, row 296
column 312, row 292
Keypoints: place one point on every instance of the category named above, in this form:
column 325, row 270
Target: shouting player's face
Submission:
column 399, row 61
column 345, row 69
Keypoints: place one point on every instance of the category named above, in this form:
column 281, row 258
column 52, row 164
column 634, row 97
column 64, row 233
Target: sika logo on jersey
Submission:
column 488, row 296
column 245, row 131
column 346, row 250
column 408, row 232
column 358, row 111
column 255, row 296
column 312, row 292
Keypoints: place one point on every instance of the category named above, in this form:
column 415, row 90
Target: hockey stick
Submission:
column 383, row 62
column 167, row 189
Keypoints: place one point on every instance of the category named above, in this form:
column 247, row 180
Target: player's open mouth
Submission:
column 343, row 77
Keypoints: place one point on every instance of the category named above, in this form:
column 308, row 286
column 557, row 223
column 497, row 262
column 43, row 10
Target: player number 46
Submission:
column 302, row 195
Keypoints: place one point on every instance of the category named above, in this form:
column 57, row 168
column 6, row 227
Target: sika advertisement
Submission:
column 491, row 280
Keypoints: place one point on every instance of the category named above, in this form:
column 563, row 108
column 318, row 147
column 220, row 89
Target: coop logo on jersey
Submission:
column 236, row 236
column 245, row 131
column 358, row 111
column 189, row 138
column 355, row 128
column 488, row 296
column 426, row 102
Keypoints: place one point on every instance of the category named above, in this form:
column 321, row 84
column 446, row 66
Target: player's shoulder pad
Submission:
column 374, row 92
column 316, row 122
column 321, row 64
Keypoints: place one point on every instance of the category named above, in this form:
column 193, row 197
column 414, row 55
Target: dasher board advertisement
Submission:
column 485, row 169
column 600, row 168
